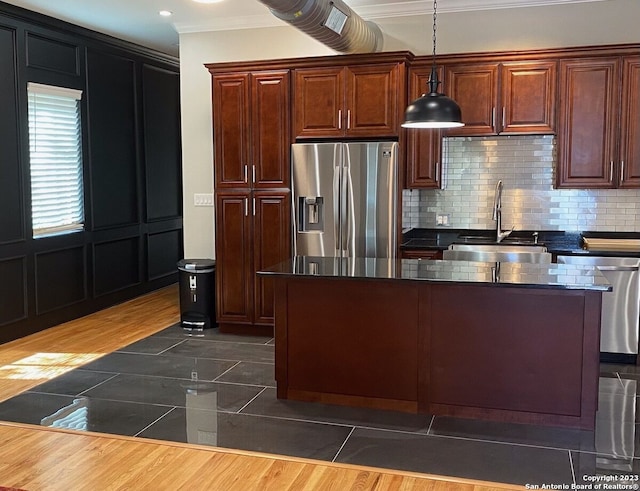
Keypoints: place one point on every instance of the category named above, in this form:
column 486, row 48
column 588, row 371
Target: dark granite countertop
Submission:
column 552, row 276
column 557, row 242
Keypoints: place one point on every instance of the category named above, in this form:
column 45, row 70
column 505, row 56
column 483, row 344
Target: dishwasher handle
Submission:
column 618, row 268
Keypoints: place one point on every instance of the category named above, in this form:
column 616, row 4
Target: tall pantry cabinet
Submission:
column 251, row 128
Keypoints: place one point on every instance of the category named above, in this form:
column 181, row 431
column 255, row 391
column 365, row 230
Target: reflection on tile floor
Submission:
column 219, row 389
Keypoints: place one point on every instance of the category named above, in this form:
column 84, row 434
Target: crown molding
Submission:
column 370, row 12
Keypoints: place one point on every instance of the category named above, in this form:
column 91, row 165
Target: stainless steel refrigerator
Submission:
column 345, row 199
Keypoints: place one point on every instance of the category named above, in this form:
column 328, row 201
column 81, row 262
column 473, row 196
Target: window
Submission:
column 55, row 159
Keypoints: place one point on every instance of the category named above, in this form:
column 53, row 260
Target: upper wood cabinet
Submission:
column 503, row 98
column 251, row 127
column 424, row 146
column 599, row 132
column 630, row 124
column 352, row 101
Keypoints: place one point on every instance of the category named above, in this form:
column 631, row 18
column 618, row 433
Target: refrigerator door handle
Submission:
column 348, row 220
column 336, row 206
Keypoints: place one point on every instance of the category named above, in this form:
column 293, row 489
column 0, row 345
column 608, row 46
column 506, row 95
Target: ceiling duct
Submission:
column 331, row 22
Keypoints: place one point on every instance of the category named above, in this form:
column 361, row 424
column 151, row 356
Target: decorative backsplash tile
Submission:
column 525, row 164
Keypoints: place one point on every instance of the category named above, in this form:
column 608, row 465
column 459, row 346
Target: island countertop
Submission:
column 549, row 276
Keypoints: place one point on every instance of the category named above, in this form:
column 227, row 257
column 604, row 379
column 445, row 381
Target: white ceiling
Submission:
column 139, row 21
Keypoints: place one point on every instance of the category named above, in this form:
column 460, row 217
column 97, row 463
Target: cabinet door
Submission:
column 318, row 102
column 372, row 100
column 528, row 98
column 424, row 146
column 630, row 125
column 231, row 130
column 270, row 129
column 234, row 273
column 588, row 108
column 271, row 245
column 475, row 89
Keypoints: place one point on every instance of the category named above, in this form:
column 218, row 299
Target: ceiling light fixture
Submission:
column 165, row 13
column 433, row 110
column 207, row 1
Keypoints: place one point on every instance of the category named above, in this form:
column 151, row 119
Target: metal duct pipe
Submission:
column 331, row 22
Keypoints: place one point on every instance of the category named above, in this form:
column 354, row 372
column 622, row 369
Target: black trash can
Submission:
column 197, row 280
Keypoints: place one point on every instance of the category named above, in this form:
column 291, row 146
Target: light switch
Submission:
column 203, row 199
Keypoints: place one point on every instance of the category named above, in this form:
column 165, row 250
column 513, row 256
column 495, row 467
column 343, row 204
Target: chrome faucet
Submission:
column 497, row 213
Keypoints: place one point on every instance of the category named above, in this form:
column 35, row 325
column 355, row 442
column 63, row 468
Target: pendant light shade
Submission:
column 434, row 109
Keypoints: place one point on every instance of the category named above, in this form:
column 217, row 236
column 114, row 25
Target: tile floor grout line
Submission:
column 227, row 370
column 206, row 381
column 343, row 444
column 497, row 442
column 573, row 472
column 433, row 417
column 113, row 375
column 161, row 352
column 155, row 421
column 209, row 340
column 251, row 400
column 315, row 421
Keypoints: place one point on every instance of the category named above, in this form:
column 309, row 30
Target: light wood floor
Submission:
column 37, row 458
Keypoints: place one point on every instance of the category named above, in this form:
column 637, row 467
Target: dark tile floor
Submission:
column 219, row 389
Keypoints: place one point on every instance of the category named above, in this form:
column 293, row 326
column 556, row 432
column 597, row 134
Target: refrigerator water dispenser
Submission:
column 311, row 211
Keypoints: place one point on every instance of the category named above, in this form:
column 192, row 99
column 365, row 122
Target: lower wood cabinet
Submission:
column 252, row 233
column 528, row 355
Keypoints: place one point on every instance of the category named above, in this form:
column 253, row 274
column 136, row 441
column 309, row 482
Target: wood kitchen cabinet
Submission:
column 251, row 129
column 251, row 121
column 599, row 130
column 424, row 146
column 503, row 98
column 252, row 233
column 352, row 101
column 630, row 124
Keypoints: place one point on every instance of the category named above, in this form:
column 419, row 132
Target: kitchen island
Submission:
column 503, row 341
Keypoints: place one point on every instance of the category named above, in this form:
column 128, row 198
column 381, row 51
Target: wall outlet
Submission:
column 200, row 199
column 443, row 220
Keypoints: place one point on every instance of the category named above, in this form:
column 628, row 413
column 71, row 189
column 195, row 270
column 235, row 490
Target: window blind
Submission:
column 55, row 158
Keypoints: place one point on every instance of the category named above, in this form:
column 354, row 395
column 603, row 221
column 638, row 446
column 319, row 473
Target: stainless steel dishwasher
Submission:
column 620, row 320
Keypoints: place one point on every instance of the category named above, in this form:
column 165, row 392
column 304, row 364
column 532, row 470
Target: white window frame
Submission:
column 55, row 160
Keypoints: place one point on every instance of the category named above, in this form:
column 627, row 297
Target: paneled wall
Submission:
column 525, row 164
column 132, row 173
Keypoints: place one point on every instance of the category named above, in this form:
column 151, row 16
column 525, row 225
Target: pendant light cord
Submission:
column 435, row 7
column 433, row 79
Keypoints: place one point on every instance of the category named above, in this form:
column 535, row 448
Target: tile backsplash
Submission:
column 525, row 164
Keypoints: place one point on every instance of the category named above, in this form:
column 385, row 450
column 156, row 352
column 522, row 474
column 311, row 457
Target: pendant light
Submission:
column 433, row 110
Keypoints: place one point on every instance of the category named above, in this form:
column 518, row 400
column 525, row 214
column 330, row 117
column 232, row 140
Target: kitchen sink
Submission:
column 491, row 240
column 502, row 252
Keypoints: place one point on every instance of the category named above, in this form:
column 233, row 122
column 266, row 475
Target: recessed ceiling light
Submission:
column 165, row 13
column 207, row 1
